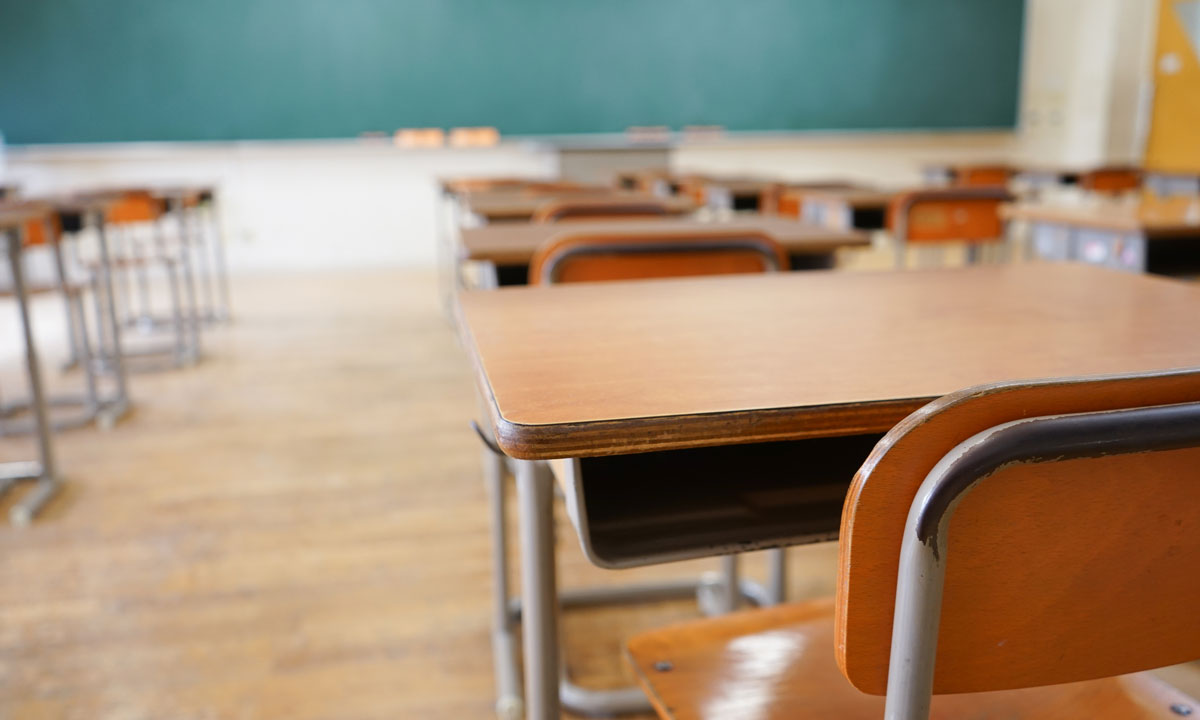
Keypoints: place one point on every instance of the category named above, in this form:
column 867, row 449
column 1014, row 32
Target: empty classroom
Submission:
column 532, row 360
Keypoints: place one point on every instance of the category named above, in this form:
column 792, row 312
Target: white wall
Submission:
column 885, row 158
column 288, row 205
column 1085, row 81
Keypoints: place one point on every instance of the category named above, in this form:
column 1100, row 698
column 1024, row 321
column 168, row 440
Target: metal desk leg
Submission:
column 75, row 326
column 204, row 273
column 140, row 259
column 108, row 327
column 221, row 268
column 539, row 621
column 777, row 576
column 47, row 478
column 509, row 705
column 76, row 321
column 189, row 281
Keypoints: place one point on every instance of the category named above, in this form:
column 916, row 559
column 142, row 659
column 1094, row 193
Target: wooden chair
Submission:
column 790, row 197
column 630, row 256
column 640, row 256
column 599, row 208
column 939, row 216
column 1111, row 180
column 1037, row 538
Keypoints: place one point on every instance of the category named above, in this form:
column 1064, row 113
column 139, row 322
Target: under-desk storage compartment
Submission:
column 655, row 507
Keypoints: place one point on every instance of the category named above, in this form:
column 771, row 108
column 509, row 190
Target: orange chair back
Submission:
column 1111, row 180
column 948, row 215
column 43, row 230
column 134, row 207
column 599, row 208
column 640, row 256
column 983, row 176
column 1056, row 572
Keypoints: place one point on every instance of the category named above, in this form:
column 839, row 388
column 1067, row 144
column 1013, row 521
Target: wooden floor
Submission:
column 295, row 529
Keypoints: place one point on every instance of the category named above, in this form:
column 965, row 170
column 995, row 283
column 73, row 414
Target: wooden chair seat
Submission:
column 780, row 663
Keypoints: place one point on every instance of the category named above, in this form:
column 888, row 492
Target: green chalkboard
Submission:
column 122, row 70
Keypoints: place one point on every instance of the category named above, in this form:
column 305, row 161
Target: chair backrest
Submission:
column 632, row 256
column 954, row 214
column 46, row 229
column 1111, row 179
column 598, row 208
column 136, row 206
column 983, row 176
column 1066, row 566
column 37, row 219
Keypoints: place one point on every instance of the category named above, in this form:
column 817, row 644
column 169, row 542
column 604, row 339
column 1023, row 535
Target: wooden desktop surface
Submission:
column 515, row 243
column 518, row 205
column 1160, row 217
column 597, row 369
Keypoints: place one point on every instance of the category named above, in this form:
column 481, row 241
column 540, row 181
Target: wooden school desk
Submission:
column 1152, row 235
column 653, row 394
column 506, row 248
column 790, row 196
column 734, row 193
column 508, row 205
column 974, row 174
column 846, row 207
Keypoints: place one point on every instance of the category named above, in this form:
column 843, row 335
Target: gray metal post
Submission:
column 915, row 623
column 74, row 327
column 22, row 513
column 222, row 268
column 146, row 317
column 189, row 280
column 777, row 576
column 203, row 271
column 731, row 584
column 122, row 240
column 539, row 621
column 115, row 361
column 76, row 321
column 509, row 705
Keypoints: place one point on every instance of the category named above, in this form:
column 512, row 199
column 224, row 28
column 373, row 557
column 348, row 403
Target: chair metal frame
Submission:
column 924, row 548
